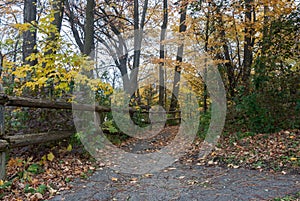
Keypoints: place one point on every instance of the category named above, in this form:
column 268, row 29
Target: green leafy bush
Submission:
column 204, row 124
column 254, row 115
column 110, row 126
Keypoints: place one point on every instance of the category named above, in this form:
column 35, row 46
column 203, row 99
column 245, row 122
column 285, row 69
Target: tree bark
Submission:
column 29, row 36
column 89, row 45
column 162, row 54
column 182, row 29
column 138, row 37
column 205, row 91
column 229, row 64
column 247, row 46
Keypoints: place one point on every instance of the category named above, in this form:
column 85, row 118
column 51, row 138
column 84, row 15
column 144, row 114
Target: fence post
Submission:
column 2, row 129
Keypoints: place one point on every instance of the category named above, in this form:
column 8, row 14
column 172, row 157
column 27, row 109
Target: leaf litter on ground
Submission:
column 40, row 172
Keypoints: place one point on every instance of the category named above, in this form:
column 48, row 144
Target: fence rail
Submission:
column 8, row 142
column 37, row 103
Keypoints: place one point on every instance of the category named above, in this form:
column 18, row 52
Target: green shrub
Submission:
column 204, row 124
column 254, row 115
column 110, row 126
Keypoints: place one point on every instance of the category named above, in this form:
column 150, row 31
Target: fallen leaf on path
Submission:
column 114, row 179
column 147, row 175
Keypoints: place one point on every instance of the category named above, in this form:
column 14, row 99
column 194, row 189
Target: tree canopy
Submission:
column 118, row 44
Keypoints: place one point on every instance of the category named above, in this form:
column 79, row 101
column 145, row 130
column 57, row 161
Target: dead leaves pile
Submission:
column 32, row 177
column 276, row 152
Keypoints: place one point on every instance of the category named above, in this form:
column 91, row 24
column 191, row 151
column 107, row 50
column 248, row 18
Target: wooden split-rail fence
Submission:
column 8, row 142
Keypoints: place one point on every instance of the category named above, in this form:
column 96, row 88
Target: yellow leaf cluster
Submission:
column 22, row 27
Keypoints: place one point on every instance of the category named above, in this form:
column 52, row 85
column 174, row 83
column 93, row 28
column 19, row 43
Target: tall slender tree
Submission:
column 162, row 54
column 248, row 45
column 182, row 29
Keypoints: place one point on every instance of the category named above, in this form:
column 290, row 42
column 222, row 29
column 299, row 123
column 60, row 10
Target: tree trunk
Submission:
column 122, row 66
column 1, row 63
column 89, row 45
column 138, row 36
column 247, row 46
column 229, row 64
column 182, row 29
column 205, row 91
column 162, row 54
column 71, row 18
column 89, row 35
column 58, row 9
column 29, row 36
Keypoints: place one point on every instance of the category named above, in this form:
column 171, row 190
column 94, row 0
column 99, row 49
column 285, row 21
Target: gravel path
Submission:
column 182, row 182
